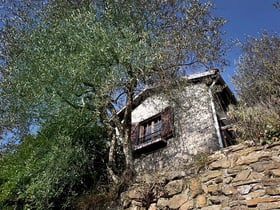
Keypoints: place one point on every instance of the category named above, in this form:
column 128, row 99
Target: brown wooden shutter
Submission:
column 134, row 133
column 167, row 119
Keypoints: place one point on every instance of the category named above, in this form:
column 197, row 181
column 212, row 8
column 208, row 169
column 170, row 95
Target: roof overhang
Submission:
column 195, row 78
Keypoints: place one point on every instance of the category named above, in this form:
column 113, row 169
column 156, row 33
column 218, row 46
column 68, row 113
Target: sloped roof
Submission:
column 195, row 77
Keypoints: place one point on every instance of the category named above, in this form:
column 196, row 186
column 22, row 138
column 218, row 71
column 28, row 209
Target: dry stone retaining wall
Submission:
column 238, row 177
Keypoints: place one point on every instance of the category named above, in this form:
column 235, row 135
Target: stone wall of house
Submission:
column 194, row 127
column 238, row 177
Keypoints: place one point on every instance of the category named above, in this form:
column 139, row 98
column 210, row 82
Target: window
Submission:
column 150, row 130
column 153, row 131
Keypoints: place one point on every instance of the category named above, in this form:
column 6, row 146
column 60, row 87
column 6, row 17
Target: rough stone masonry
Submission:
column 237, row 177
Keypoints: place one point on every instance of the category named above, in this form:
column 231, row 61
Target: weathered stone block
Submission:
column 256, row 194
column 275, row 172
column 214, row 207
column 210, row 175
column 174, row 203
column 272, row 205
column 249, row 181
column 265, row 166
column 135, row 194
column 245, row 151
column 237, row 203
column 273, row 190
column 153, row 206
column 255, row 175
column 252, row 158
column 256, row 201
column 241, row 176
column 201, row 201
column 162, row 202
column 174, row 187
column 195, row 187
column 244, row 189
column 223, row 163
column 218, row 199
column 271, row 182
column 227, row 180
column 188, row 205
column 214, row 189
column 178, row 200
column 229, row 190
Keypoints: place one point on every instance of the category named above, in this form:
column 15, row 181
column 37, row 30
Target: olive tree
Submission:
column 257, row 78
column 258, row 85
column 97, row 55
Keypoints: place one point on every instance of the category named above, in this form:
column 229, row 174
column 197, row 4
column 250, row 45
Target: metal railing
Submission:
column 149, row 138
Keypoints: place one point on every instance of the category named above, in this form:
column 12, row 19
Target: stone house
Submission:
column 168, row 134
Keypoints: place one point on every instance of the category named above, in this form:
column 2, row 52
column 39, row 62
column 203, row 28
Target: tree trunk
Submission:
column 127, row 147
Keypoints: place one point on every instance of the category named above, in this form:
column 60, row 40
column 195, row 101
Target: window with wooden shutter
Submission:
column 152, row 133
column 167, row 117
column 134, row 132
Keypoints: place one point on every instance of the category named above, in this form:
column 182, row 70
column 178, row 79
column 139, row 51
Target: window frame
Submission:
column 166, row 131
column 143, row 135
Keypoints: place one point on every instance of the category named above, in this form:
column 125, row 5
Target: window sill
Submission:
column 150, row 145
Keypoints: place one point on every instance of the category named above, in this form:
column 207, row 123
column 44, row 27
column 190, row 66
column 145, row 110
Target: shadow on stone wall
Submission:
column 237, row 177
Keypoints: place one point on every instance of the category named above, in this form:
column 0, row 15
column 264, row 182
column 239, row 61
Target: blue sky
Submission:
column 245, row 17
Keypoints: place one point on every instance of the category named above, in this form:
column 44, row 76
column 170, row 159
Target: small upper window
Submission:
column 150, row 130
column 154, row 130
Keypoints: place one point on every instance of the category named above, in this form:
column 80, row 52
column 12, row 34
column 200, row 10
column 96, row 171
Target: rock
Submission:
column 246, row 151
column 272, row 205
column 273, row 190
column 126, row 203
column 265, row 166
column 255, row 175
column 275, row 172
column 188, row 205
column 237, row 203
column 218, row 199
column 195, row 187
column 136, row 208
column 244, row 189
column 214, row 189
column 256, row 194
column 153, row 206
column 211, row 175
column 271, row 181
column 135, row 194
column 223, row 163
column 241, row 176
column 172, row 175
column 162, row 202
column 229, row 190
column 136, row 203
column 201, row 201
column 252, row 158
column 174, row 187
column 235, row 170
column 174, row 203
column 245, row 182
column 178, row 200
column 227, row 180
column 214, row 207
column 218, row 180
column 255, row 201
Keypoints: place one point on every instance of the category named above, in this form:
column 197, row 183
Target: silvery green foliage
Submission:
column 85, row 54
column 257, row 77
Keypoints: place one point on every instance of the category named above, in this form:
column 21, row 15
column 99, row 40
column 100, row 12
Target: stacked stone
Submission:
column 238, row 177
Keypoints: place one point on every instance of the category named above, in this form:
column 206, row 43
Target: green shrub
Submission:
column 260, row 123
